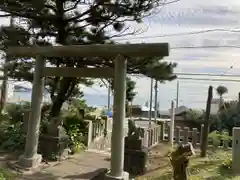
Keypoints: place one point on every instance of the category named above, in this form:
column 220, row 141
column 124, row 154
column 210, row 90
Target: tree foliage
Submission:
column 75, row 22
column 230, row 116
column 130, row 89
column 221, row 90
column 196, row 116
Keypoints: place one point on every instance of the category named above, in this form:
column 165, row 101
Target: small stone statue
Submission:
column 55, row 126
column 133, row 131
column 180, row 159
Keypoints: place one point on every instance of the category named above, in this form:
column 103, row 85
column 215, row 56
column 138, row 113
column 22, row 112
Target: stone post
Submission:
column 162, row 130
column 178, row 130
column 185, row 135
column 90, row 132
column 146, row 138
column 236, row 150
column 30, row 158
column 201, row 134
column 117, row 140
column 171, row 134
column 194, row 137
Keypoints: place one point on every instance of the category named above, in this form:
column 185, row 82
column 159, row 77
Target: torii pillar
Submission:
column 30, row 158
column 117, row 140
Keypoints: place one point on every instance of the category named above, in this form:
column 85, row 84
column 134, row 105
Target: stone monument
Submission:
column 55, row 141
column 179, row 161
column 236, row 150
column 135, row 156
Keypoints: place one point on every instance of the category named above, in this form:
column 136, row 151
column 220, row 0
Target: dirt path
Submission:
column 157, row 161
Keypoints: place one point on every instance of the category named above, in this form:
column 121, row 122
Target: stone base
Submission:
column 32, row 162
column 135, row 161
column 49, row 145
column 125, row 176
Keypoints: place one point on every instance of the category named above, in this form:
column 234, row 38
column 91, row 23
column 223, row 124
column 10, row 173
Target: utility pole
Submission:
column 155, row 100
column 5, row 79
column 177, row 99
column 171, row 134
column 150, row 108
column 204, row 136
column 109, row 96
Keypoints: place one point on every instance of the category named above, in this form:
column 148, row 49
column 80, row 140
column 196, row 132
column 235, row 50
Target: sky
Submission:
column 190, row 16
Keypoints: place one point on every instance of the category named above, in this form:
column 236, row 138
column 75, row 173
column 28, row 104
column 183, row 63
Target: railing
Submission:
column 96, row 129
column 152, row 136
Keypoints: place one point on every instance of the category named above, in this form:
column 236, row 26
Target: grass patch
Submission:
column 217, row 166
column 6, row 174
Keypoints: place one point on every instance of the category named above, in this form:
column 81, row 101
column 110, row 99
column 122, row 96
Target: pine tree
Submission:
column 75, row 22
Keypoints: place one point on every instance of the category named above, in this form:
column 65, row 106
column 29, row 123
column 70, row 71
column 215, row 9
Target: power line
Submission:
column 206, row 79
column 233, row 30
column 205, row 47
column 207, row 74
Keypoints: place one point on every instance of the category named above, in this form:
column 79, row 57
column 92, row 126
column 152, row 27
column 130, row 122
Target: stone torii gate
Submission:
column 30, row 158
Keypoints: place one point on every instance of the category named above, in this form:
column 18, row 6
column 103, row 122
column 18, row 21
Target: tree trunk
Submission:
column 65, row 83
column 61, row 97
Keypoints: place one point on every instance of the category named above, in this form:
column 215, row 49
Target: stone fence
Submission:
column 96, row 129
column 157, row 133
column 152, row 136
column 194, row 136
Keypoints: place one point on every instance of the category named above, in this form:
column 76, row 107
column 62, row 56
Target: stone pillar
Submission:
column 117, row 140
column 185, row 135
column 236, row 150
column 90, row 132
column 201, row 134
column 146, row 138
column 178, row 130
column 171, row 134
column 194, row 137
column 162, row 130
column 30, row 158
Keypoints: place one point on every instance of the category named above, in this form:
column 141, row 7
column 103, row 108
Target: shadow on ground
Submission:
column 38, row 176
column 98, row 175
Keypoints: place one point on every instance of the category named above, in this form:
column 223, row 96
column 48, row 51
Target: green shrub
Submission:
column 227, row 162
column 6, row 174
column 15, row 111
column 76, row 128
column 218, row 137
column 14, row 138
column 12, row 135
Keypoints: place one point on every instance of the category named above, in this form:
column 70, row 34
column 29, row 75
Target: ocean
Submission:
column 96, row 100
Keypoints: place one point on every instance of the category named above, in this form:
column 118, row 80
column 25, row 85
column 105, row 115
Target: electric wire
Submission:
column 206, row 79
column 232, row 30
column 206, row 74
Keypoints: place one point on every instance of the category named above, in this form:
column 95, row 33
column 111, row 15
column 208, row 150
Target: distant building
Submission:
column 179, row 113
column 215, row 105
column 141, row 111
column 180, row 117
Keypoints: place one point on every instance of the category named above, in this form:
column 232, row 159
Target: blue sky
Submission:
column 189, row 16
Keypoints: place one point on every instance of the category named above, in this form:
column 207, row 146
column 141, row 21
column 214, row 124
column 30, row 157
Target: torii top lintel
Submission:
column 102, row 50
